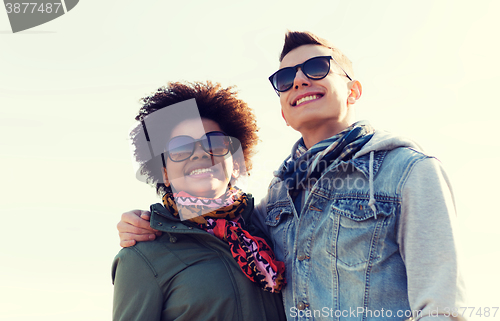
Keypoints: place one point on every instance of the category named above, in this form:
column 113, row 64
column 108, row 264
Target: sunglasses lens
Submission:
column 317, row 68
column 180, row 148
column 283, row 79
column 314, row 68
column 216, row 144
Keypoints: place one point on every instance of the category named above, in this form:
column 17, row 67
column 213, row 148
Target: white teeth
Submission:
column 201, row 170
column 307, row 98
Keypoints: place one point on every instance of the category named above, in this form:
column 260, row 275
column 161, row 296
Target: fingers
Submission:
column 127, row 243
column 137, row 235
column 129, row 237
column 124, row 227
column 145, row 215
column 138, row 219
column 134, row 227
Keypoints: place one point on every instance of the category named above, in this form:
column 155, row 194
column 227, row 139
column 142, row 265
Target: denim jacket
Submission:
column 375, row 238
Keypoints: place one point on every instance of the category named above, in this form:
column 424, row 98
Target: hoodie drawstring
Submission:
column 371, row 202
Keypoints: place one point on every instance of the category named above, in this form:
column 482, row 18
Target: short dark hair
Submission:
column 295, row 39
column 214, row 102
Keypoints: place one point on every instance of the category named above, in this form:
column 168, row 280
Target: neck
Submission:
column 312, row 136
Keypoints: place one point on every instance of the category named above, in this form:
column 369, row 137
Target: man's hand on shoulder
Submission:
column 134, row 227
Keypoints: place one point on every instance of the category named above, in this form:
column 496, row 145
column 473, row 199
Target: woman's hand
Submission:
column 134, row 227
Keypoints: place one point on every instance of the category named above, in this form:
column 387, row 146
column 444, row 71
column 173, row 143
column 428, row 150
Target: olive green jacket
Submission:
column 186, row 274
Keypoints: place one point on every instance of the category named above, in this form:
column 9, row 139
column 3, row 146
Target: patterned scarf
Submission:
column 309, row 164
column 219, row 217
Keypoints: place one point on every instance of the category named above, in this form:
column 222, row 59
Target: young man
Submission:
column 364, row 221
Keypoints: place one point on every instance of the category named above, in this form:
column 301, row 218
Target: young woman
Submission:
column 207, row 265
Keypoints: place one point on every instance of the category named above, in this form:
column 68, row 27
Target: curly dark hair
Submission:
column 214, row 102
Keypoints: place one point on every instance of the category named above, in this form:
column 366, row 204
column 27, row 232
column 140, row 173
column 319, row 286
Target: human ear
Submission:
column 165, row 177
column 355, row 92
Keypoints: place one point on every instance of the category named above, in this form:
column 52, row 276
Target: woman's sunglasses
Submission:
column 214, row 143
column 315, row 68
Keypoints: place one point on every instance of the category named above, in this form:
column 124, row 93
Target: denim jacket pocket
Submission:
column 279, row 221
column 359, row 230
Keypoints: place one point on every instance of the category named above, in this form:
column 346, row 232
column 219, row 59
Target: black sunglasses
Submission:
column 214, row 143
column 315, row 68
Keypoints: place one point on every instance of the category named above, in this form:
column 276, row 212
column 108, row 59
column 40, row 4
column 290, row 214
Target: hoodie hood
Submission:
column 383, row 140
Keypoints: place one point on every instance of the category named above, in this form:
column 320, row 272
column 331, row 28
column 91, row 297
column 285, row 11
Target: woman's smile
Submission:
column 200, row 175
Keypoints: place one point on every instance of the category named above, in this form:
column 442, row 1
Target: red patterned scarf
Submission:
column 220, row 217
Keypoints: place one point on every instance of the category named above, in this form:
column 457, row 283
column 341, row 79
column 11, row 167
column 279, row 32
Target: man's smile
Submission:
column 301, row 99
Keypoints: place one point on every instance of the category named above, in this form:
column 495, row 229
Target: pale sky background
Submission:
column 69, row 91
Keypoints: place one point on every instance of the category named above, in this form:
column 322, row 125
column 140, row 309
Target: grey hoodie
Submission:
column 427, row 242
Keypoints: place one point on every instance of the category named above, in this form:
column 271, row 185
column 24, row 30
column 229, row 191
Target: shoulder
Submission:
column 427, row 172
column 135, row 257
column 408, row 154
column 144, row 256
column 404, row 158
column 150, row 249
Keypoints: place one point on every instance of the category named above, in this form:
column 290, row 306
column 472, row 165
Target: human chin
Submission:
column 207, row 182
column 211, row 189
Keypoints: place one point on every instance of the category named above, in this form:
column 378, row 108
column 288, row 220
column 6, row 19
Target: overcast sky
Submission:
column 69, row 92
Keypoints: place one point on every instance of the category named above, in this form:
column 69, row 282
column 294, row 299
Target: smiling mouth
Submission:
column 200, row 171
column 307, row 98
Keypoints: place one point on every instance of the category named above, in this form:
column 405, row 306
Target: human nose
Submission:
column 198, row 152
column 301, row 79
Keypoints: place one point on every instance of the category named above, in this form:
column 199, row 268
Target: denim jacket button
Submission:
column 301, row 257
column 301, row 306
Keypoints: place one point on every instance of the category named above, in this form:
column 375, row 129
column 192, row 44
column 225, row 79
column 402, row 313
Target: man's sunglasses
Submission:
column 213, row 143
column 315, row 68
